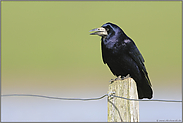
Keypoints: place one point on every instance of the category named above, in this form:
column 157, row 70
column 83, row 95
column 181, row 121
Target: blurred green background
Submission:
column 46, row 47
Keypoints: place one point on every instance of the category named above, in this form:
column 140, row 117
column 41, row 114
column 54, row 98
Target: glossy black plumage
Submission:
column 122, row 56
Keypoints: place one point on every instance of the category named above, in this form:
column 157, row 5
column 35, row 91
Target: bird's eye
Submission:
column 107, row 29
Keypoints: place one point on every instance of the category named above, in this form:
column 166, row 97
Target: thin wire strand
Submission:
column 146, row 100
column 87, row 99
column 116, row 109
column 59, row 98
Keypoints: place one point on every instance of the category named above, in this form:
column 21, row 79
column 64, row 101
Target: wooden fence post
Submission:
column 121, row 110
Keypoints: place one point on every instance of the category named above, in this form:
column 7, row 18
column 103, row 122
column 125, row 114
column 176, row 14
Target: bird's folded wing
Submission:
column 103, row 53
column 137, row 57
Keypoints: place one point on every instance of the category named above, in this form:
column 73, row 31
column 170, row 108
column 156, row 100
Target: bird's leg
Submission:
column 118, row 78
column 125, row 77
column 112, row 80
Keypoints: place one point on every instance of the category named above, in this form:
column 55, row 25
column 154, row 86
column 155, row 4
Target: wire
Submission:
column 116, row 109
column 111, row 94
column 147, row 100
column 59, row 98
column 87, row 99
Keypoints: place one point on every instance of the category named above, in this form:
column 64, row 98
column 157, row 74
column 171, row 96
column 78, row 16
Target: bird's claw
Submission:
column 118, row 78
column 111, row 81
column 127, row 76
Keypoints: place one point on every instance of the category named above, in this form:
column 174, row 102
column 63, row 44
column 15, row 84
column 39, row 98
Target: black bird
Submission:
column 122, row 56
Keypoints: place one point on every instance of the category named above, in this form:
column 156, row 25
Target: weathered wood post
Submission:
column 121, row 110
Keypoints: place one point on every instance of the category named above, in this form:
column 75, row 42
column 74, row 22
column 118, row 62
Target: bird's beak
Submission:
column 99, row 31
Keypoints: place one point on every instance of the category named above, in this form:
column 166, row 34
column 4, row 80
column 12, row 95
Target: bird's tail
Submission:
column 144, row 89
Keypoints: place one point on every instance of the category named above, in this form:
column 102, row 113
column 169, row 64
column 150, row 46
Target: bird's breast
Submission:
column 112, row 45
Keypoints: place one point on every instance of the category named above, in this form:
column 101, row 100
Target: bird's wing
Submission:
column 135, row 54
column 103, row 53
column 137, row 57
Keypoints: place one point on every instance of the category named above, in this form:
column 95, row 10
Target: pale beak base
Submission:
column 99, row 31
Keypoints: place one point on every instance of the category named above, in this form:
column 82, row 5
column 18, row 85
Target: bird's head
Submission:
column 106, row 29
